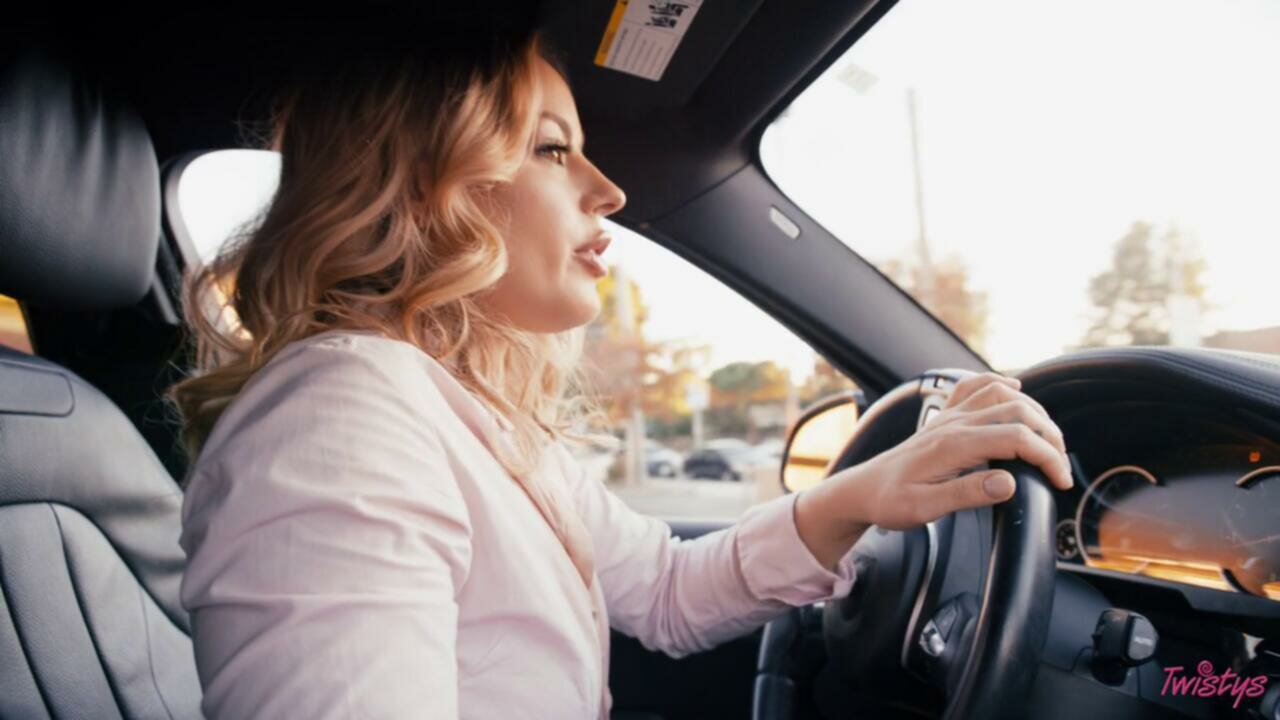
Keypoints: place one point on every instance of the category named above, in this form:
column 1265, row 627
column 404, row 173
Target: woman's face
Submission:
column 549, row 216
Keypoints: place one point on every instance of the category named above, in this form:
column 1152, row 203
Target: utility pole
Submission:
column 696, row 395
column 925, row 274
column 633, row 454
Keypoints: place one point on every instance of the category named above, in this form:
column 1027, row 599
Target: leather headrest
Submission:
column 79, row 190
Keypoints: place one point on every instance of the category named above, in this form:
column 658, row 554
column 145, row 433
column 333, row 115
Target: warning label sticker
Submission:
column 642, row 35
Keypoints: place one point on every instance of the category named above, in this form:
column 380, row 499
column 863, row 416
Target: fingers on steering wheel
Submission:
column 996, row 394
column 972, row 384
column 1018, row 441
column 1020, row 411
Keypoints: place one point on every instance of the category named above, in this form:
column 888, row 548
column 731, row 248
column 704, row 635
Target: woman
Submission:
column 383, row 518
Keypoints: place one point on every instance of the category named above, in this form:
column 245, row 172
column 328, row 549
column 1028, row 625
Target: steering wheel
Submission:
column 952, row 616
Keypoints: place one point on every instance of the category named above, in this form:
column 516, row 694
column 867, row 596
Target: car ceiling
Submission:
column 194, row 75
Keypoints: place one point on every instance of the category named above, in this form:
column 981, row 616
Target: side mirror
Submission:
column 817, row 437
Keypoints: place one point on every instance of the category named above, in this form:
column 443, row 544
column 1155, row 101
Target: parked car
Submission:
column 770, row 451
column 660, row 460
column 722, row 459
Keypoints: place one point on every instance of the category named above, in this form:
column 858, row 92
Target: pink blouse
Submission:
column 356, row 551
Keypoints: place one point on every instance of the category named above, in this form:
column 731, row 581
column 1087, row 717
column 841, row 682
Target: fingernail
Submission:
column 998, row 485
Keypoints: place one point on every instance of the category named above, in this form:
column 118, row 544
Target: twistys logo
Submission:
column 1205, row 683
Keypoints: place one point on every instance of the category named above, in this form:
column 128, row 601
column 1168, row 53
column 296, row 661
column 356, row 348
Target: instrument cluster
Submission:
column 1207, row 516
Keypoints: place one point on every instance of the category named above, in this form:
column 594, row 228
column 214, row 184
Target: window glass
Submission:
column 13, row 328
column 1044, row 178
column 711, row 382
column 706, row 383
column 223, row 193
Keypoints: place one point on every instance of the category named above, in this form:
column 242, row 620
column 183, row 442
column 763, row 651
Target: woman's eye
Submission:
column 555, row 151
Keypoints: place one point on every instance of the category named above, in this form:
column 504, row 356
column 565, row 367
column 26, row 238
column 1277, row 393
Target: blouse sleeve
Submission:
column 682, row 596
column 326, row 537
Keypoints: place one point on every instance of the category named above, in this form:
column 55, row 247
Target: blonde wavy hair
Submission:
column 380, row 223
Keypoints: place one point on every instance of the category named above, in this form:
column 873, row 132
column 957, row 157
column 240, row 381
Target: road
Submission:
column 672, row 498
column 688, row 498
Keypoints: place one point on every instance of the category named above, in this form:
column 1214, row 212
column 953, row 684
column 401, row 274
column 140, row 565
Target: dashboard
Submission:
column 1176, row 458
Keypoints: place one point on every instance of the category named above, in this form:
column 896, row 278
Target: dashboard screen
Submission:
column 1208, row 517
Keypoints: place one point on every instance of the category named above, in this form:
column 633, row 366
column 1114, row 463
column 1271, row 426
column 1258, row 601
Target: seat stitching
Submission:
column 75, row 590
column 119, row 552
column 17, row 629
column 151, row 660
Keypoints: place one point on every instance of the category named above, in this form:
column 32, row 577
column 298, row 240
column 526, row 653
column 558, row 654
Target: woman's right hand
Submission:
column 939, row 469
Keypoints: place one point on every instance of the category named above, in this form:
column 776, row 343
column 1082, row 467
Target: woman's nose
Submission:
column 606, row 198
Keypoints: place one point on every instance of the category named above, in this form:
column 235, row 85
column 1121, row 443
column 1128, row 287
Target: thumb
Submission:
column 997, row 485
column 977, row 489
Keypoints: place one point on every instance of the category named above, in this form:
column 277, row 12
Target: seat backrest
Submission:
column 90, row 623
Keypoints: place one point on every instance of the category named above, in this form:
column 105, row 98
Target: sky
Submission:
column 1046, row 130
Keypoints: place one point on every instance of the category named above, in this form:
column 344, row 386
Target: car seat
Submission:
column 90, row 566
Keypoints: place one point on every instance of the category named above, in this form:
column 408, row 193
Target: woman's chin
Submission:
column 583, row 311
column 567, row 318
column 584, row 316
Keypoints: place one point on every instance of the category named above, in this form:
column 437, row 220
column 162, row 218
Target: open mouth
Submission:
column 591, row 259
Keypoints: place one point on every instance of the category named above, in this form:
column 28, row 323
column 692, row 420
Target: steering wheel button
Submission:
column 931, row 641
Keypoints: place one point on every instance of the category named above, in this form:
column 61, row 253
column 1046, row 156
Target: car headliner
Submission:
column 189, row 75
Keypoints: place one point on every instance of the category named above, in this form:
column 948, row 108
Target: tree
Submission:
column 824, row 381
column 737, row 386
column 626, row 367
column 1132, row 300
column 614, row 358
column 741, row 383
column 608, row 320
column 671, row 369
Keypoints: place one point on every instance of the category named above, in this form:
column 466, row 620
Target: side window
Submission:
column 13, row 328
column 707, row 384
column 698, row 384
column 221, row 195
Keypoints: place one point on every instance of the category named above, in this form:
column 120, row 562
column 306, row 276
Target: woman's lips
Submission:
column 591, row 260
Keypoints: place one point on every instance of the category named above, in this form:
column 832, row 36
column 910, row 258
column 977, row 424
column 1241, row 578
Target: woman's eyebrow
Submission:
column 564, row 124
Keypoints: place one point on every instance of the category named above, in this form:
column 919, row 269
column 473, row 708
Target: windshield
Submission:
column 1047, row 176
